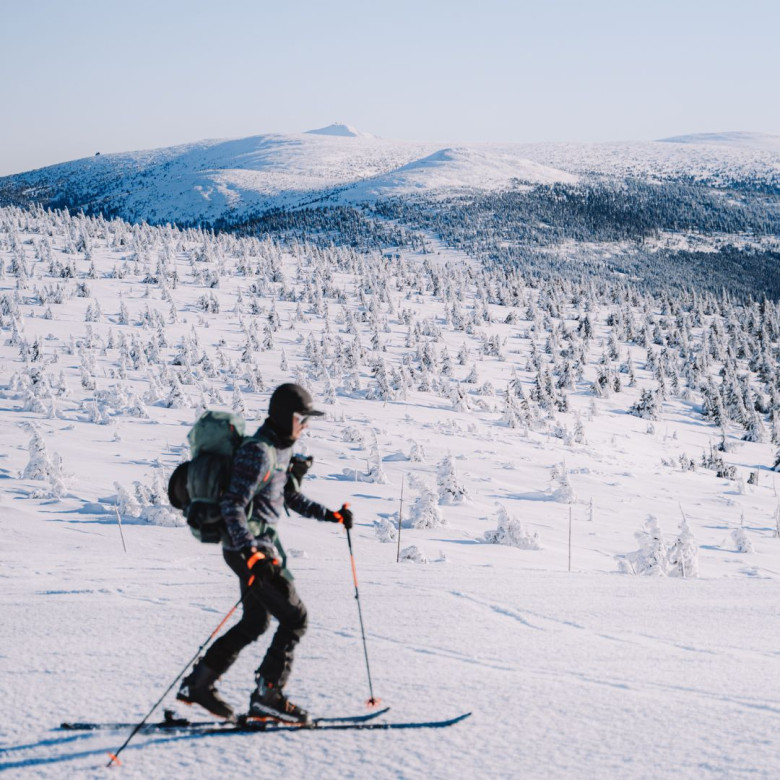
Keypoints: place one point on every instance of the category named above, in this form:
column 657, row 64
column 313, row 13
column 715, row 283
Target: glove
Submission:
column 343, row 516
column 299, row 465
column 262, row 562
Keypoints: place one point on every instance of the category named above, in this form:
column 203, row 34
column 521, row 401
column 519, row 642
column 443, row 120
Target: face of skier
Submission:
column 299, row 424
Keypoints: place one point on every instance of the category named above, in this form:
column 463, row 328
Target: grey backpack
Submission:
column 197, row 485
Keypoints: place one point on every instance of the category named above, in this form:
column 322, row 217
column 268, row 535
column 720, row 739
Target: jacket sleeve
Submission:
column 250, row 467
column 296, row 501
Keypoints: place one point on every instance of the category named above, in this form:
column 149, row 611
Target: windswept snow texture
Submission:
column 432, row 370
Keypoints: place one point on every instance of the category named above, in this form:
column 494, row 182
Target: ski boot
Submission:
column 198, row 688
column 267, row 702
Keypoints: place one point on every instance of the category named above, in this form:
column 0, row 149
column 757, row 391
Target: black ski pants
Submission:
column 275, row 597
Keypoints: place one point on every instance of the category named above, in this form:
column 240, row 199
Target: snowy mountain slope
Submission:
column 744, row 140
column 117, row 335
column 232, row 180
column 340, row 129
column 212, row 179
column 455, row 170
column 660, row 161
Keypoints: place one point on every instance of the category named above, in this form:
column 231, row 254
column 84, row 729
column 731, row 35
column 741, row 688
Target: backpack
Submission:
column 197, row 485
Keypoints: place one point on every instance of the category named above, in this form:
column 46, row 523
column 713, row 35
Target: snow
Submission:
column 455, row 169
column 217, row 179
column 340, row 129
column 741, row 139
column 581, row 673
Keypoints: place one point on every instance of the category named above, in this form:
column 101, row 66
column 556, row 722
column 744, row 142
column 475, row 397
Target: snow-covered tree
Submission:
column 417, row 452
column 386, row 530
column 652, row 556
column 510, row 531
column 647, row 407
column 413, row 554
column 741, row 540
column 39, row 466
column 126, row 503
column 425, row 512
column 451, row 489
column 237, row 403
column 684, row 553
column 562, row 487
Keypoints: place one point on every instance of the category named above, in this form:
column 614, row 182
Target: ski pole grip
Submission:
column 339, row 517
column 253, row 559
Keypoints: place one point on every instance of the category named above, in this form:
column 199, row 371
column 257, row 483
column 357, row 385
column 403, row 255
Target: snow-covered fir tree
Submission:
column 683, row 556
column 510, row 531
column 451, row 489
column 652, row 556
column 425, row 512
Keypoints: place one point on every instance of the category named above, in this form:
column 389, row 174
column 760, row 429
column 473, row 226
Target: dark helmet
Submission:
column 286, row 400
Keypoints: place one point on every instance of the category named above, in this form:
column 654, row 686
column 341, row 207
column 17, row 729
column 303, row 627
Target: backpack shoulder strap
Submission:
column 271, row 452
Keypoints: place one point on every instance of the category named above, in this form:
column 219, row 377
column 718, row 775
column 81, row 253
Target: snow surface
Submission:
column 338, row 128
column 738, row 139
column 455, row 169
column 581, row 673
column 233, row 179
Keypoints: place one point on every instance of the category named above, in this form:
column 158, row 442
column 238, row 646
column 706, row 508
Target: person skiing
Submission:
column 251, row 548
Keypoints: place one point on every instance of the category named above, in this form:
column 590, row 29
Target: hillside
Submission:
column 231, row 179
column 695, row 212
column 506, row 408
column 745, row 140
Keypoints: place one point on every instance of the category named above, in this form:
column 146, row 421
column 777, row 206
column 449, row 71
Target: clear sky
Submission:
column 80, row 76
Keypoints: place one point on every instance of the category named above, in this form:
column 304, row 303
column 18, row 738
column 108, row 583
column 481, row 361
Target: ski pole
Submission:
column 373, row 701
column 137, row 728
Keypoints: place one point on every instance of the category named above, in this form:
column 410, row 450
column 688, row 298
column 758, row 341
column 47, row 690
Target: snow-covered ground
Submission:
column 570, row 665
column 236, row 178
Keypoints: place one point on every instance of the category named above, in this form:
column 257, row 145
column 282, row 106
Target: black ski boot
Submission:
column 198, row 688
column 267, row 702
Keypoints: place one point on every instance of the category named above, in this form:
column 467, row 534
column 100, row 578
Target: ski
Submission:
column 250, row 727
column 173, row 723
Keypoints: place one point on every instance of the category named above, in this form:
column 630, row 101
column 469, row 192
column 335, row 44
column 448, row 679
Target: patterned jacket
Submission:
column 250, row 465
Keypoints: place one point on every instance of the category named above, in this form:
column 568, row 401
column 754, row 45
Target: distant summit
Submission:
column 340, row 129
column 737, row 138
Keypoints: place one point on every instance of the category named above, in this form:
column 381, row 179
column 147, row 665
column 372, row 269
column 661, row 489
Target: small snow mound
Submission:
column 341, row 130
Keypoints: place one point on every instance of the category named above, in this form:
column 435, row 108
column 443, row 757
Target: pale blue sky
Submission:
column 80, row 76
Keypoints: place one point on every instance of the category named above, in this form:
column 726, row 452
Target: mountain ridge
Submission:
column 736, row 138
column 206, row 181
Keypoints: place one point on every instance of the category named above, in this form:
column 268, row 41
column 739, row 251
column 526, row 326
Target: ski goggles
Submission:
column 302, row 419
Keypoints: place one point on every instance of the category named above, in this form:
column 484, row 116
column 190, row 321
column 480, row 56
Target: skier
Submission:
column 252, row 550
